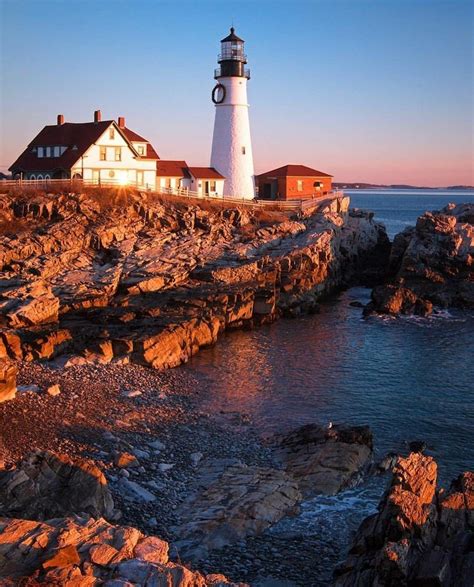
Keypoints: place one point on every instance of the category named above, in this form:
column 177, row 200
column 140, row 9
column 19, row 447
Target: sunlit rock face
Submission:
column 129, row 277
column 420, row 536
column 432, row 264
column 88, row 551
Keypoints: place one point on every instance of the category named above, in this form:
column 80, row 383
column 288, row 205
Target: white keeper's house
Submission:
column 101, row 151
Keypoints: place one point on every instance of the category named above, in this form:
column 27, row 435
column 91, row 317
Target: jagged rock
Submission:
column 8, row 372
column 432, row 263
column 47, row 485
column 325, row 460
column 419, row 537
column 241, row 501
column 88, row 552
column 390, row 299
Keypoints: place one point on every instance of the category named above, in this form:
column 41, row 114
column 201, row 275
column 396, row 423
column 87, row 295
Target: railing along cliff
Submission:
column 70, row 185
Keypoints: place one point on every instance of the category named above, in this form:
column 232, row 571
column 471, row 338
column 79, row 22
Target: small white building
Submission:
column 100, row 152
column 207, row 181
column 175, row 175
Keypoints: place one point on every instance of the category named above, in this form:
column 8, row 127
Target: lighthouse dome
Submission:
column 232, row 37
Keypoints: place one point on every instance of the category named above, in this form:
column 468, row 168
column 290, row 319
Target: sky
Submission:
column 368, row 90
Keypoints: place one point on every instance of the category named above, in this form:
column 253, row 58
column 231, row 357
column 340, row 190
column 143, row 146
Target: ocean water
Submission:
column 407, row 378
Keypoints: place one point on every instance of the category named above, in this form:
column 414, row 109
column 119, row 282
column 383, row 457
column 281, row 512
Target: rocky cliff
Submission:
column 151, row 281
column 420, row 536
column 432, row 264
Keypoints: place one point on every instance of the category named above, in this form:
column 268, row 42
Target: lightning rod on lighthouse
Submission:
column 231, row 153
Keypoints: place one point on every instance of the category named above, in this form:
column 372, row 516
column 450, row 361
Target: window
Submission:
column 141, row 150
column 111, row 133
column 168, row 182
column 103, row 153
column 39, row 176
column 213, row 187
column 111, row 173
column 32, row 176
column 47, row 176
column 118, row 153
column 48, row 152
column 243, row 150
column 57, row 151
column 299, row 185
column 140, row 177
column 40, row 152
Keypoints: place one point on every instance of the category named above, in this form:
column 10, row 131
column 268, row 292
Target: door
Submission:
column 267, row 191
column 206, row 188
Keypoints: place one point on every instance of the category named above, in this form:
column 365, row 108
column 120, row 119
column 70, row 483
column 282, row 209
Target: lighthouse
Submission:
column 231, row 153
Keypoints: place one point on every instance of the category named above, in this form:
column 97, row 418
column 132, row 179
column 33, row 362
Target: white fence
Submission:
column 76, row 184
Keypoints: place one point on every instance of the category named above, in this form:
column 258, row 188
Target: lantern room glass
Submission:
column 232, row 50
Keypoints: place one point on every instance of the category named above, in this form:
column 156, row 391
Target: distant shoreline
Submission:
column 370, row 187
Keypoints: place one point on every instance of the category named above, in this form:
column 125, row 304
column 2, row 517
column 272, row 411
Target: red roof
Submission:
column 134, row 137
column 77, row 137
column 296, row 171
column 172, row 169
column 205, row 173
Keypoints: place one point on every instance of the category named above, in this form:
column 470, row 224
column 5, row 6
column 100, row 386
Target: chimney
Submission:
column 60, row 119
column 121, row 121
column 97, row 116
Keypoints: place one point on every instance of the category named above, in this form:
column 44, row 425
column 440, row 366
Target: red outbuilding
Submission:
column 293, row 182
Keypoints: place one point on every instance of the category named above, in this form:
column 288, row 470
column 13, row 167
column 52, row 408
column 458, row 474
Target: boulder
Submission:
column 391, row 299
column 324, row 460
column 46, row 485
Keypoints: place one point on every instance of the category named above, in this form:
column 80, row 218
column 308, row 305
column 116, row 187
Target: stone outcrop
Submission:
column 325, row 460
column 87, row 552
column 243, row 501
column 419, row 537
column 145, row 280
column 431, row 264
column 233, row 501
column 47, row 485
column 8, row 372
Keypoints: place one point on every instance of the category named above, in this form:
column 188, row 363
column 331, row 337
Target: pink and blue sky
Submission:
column 368, row 90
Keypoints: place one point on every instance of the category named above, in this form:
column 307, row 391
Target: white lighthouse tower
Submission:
column 231, row 144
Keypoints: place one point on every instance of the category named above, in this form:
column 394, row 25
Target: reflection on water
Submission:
column 408, row 378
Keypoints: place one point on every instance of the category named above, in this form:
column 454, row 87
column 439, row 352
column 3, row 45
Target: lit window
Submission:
column 40, row 152
column 243, row 150
column 111, row 133
column 118, row 153
column 103, row 154
column 299, row 185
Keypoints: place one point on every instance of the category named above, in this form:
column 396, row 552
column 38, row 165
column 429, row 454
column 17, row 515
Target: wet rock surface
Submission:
column 432, row 265
column 147, row 281
column 420, row 536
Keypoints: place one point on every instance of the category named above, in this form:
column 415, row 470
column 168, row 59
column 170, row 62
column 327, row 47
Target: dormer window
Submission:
column 40, row 152
column 141, row 149
column 111, row 133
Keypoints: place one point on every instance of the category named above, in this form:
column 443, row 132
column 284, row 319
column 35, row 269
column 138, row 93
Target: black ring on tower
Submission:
column 213, row 95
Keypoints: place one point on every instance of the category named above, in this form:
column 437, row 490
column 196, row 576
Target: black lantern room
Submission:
column 232, row 58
